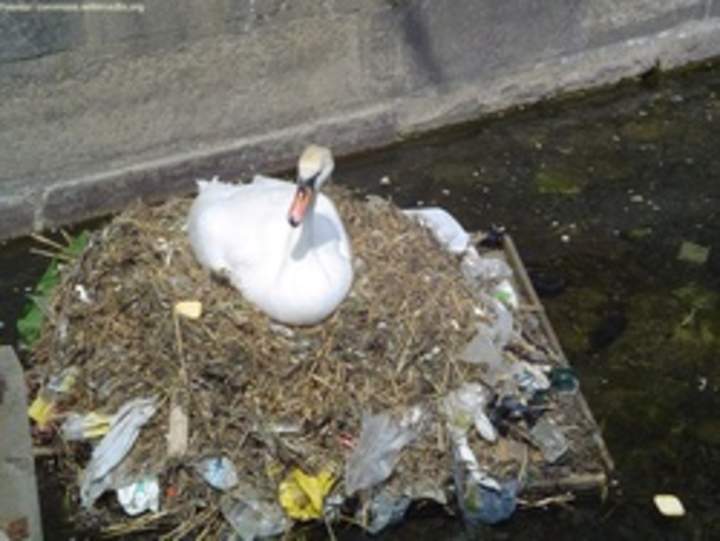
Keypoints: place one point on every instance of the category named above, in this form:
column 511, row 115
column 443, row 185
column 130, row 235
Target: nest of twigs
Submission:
column 241, row 378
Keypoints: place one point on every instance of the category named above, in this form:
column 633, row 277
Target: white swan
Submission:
column 281, row 244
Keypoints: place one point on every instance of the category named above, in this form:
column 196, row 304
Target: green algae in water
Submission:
column 560, row 181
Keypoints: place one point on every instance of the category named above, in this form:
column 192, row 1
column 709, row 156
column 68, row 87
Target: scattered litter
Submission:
column 189, row 309
column 693, row 253
column 483, row 505
column 482, row 350
column 483, row 269
column 80, row 427
column 384, row 510
column 530, row 378
column 669, row 505
column 219, row 472
column 385, row 181
column 637, row 198
column 549, row 439
column 444, row 226
column 465, row 407
column 389, row 391
column 251, row 516
column 564, row 380
column 140, row 496
column 302, row 496
column 114, row 446
column 44, row 408
column 565, row 238
column 382, row 438
column 178, row 432
column 505, row 292
column 82, row 294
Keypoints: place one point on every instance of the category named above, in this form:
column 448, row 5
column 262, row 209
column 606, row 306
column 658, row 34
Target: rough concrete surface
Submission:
column 19, row 508
column 101, row 108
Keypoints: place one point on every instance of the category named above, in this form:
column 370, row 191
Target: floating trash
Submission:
column 669, row 505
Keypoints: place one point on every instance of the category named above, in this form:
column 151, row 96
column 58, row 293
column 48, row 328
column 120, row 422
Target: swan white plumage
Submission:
column 295, row 265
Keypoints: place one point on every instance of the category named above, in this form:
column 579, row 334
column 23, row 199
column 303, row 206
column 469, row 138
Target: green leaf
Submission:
column 30, row 324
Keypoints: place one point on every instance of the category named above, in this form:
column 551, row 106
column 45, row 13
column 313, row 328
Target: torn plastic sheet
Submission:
column 251, row 516
column 218, row 472
column 382, row 438
column 445, row 228
column 465, row 407
column 140, row 496
column 114, row 446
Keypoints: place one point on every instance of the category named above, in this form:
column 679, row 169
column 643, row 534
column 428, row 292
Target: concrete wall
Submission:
column 100, row 107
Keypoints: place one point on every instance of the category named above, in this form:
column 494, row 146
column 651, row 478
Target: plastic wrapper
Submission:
column 218, row 472
column 79, row 427
column 44, row 408
column 141, row 496
column 382, row 438
column 114, row 446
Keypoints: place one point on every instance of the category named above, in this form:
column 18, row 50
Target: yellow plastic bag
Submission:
column 302, row 495
column 42, row 410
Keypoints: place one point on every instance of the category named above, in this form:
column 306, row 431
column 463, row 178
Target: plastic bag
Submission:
column 465, row 407
column 218, row 472
column 476, row 268
column 445, row 228
column 382, row 438
column 303, row 496
column 113, row 448
column 251, row 516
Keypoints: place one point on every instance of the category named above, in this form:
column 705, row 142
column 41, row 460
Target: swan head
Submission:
column 314, row 168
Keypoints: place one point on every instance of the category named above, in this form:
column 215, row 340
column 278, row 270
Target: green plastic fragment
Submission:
column 30, row 323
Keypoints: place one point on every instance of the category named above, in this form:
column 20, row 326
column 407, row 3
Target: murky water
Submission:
column 599, row 193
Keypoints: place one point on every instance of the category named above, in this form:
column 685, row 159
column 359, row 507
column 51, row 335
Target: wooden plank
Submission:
column 572, row 482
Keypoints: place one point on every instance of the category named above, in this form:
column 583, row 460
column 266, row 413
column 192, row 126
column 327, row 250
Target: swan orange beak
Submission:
column 300, row 204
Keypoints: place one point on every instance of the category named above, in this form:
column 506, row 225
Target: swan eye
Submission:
column 308, row 182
